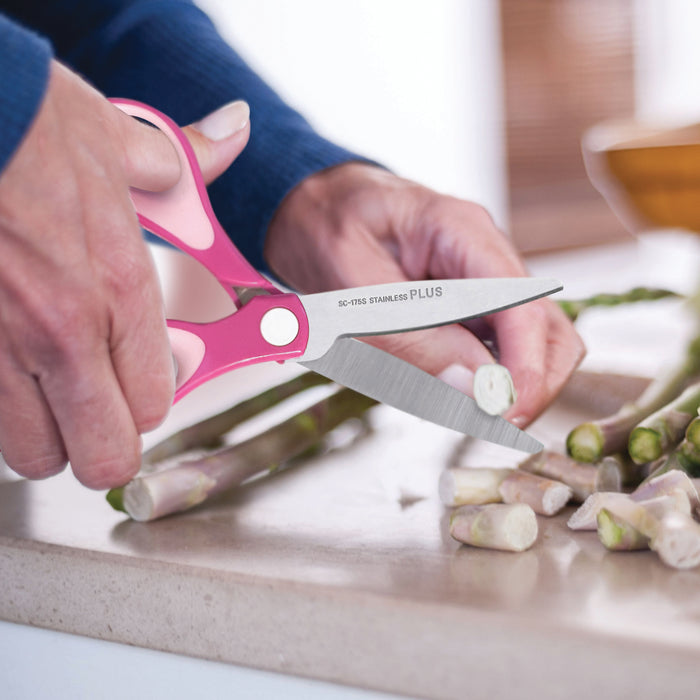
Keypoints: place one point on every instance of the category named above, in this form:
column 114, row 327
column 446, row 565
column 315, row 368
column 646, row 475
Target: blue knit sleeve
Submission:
column 24, row 69
column 169, row 54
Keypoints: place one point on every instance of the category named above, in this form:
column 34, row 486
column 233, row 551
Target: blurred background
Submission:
column 483, row 99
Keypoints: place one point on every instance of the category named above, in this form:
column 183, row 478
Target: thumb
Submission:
column 219, row 138
column 151, row 162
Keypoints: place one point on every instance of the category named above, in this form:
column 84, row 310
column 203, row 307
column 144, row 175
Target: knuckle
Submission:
column 129, row 275
column 49, row 333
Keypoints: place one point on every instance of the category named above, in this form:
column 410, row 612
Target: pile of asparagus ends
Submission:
column 656, row 442
column 633, row 472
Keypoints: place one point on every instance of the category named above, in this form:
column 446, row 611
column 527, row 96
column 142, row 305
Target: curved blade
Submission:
column 406, row 306
column 392, row 381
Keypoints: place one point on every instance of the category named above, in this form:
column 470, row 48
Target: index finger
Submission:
column 541, row 348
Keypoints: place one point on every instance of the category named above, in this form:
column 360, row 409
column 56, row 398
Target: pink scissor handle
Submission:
column 183, row 216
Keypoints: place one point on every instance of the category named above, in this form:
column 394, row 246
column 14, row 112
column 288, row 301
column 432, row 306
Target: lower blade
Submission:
column 392, row 381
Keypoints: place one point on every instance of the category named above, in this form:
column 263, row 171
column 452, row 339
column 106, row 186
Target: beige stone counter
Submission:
column 342, row 570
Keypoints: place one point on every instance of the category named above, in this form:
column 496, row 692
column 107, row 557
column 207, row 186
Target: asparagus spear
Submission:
column 208, row 432
column 572, row 308
column 618, row 535
column 584, row 479
column 677, row 541
column 666, row 483
column 544, row 496
column 460, row 486
column 664, row 428
column 511, row 528
column 686, row 456
column 662, row 523
column 585, row 517
column 154, row 495
column 590, row 442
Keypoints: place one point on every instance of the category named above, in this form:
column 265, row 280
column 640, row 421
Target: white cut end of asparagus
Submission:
column 508, row 527
column 471, row 485
column 493, row 389
column 152, row 496
column 586, row 516
column 677, row 541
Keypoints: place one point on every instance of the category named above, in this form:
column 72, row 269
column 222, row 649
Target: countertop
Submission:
column 341, row 568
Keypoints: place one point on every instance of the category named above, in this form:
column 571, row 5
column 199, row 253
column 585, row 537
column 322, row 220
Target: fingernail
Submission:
column 519, row 421
column 459, row 377
column 225, row 121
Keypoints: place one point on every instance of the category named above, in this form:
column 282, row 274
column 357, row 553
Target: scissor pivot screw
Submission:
column 279, row 326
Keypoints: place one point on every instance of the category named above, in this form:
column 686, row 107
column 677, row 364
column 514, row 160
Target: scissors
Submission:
column 319, row 330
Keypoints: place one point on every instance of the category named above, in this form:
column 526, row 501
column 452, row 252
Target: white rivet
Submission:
column 279, row 326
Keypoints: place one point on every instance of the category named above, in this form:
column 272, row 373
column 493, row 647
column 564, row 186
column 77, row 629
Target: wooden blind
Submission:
column 567, row 65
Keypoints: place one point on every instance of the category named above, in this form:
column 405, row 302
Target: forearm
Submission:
column 168, row 53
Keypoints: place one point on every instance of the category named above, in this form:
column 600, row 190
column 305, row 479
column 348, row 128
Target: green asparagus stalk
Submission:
column 573, row 308
column 590, row 442
column 190, row 483
column 207, row 433
column 664, row 428
column 686, row 456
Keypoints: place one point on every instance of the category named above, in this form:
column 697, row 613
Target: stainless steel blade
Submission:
column 392, row 381
column 404, row 306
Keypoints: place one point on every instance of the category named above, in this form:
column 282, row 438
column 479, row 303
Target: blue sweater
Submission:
column 166, row 53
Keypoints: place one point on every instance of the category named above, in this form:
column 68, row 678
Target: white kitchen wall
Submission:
column 414, row 84
column 668, row 60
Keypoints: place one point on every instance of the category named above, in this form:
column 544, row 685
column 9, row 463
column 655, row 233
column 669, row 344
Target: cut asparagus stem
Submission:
column 686, row 456
column 615, row 469
column 154, row 495
column 643, row 516
column 471, row 485
column 669, row 483
column 208, row 432
column 572, row 308
column 666, row 483
column 664, row 428
column 584, row 479
column 677, row 541
column 493, row 389
column 618, row 535
column 544, row 496
column 511, row 528
column 585, row 517
column 590, row 442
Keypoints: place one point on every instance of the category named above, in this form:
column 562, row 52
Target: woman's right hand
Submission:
column 85, row 362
